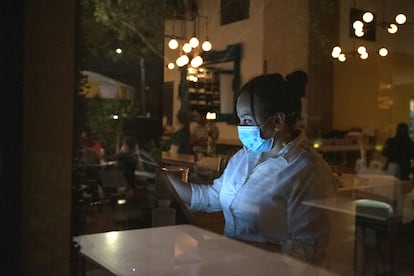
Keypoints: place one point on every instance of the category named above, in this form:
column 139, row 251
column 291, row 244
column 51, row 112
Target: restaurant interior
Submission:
column 60, row 207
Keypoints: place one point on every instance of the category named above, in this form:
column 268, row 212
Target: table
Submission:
column 177, row 158
column 183, row 250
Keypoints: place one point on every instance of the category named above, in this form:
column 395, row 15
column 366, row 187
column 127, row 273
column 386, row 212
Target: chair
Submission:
column 210, row 221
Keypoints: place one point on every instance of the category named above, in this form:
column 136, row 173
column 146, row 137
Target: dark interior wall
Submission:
column 11, row 60
column 49, row 78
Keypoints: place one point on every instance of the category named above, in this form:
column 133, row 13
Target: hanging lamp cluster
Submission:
column 363, row 26
column 189, row 48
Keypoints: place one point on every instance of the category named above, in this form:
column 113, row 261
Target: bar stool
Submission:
column 375, row 238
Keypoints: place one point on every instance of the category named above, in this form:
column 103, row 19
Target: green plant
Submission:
column 104, row 118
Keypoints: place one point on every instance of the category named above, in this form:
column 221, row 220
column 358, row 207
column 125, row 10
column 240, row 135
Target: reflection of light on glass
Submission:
column 121, row 201
column 368, row 17
column 184, row 245
column 359, row 33
column 211, row 115
column 194, row 42
column 358, row 25
column 187, row 48
column 336, row 51
column 364, row 55
column 392, row 28
column 112, row 236
column 383, row 52
column 173, row 44
column 206, row 46
column 361, row 49
column 400, row 18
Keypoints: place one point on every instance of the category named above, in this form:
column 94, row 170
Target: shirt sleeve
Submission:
column 310, row 226
column 206, row 197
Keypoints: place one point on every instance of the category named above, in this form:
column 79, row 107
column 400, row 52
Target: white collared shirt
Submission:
column 262, row 201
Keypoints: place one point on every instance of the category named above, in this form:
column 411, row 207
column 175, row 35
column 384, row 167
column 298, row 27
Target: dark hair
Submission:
column 401, row 131
column 273, row 93
column 184, row 118
column 131, row 142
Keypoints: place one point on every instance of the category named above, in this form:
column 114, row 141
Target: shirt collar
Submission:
column 291, row 149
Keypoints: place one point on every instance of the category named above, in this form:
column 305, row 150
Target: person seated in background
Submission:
column 201, row 131
column 179, row 141
column 262, row 189
column 399, row 151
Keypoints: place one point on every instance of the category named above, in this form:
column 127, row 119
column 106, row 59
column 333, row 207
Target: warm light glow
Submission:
column 400, row 18
column 196, row 61
column 359, row 33
column 361, row 50
column 358, row 25
column 211, row 115
column 206, row 46
column 383, row 52
column 112, row 236
column 342, row 57
column 368, row 17
column 115, row 117
column 192, row 78
column 171, row 65
column 336, row 51
column 316, row 145
column 182, row 60
column 187, row 48
column 194, row 42
column 118, row 51
column 364, row 55
column 173, row 44
column 121, row 201
column 392, row 28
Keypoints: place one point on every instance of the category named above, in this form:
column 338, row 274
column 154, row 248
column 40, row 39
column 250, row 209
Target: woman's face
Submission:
column 265, row 121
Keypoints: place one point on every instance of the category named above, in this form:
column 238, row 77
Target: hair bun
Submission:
column 298, row 80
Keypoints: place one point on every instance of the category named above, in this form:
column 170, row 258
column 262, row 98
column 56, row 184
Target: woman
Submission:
column 399, row 151
column 262, row 189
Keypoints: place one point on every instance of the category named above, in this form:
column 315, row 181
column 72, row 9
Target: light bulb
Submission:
column 359, row 33
column 196, row 61
column 182, row 60
column 364, row 55
column 392, row 28
column 187, row 48
column 171, row 66
column 361, row 50
column 342, row 57
column 206, row 46
column 383, row 52
column 173, row 44
column 358, row 25
column 336, row 51
column 400, row 18
column 368, row 17
column 194, row 42
column 118, row 51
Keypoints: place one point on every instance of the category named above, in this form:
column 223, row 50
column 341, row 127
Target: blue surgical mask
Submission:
column 251, row 139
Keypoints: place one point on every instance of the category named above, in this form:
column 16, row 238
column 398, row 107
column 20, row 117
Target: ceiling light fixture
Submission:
column 190, row 49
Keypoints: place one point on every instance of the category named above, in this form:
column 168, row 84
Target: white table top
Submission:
column 183, row 250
